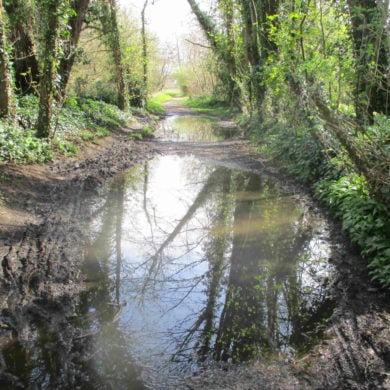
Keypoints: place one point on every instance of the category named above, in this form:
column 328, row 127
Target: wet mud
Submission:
column 42, row 248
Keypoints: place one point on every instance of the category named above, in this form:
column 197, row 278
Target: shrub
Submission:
column 79, row 120
column 20, row 145
column 364, row 219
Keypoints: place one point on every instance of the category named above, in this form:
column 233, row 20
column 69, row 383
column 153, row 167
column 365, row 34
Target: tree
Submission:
column 223, row 50
column 52, row 12
column 258, row 19
column 7, row 106
column 368, row 19
column 76, row 22
column 144, row 50
column 22, row 15
column 109, row 20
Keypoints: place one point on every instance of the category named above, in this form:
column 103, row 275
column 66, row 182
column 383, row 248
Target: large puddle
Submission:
column 191, row 263
column 188, row 264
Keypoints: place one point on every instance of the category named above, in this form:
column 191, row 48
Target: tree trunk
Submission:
column 7, row 106
column 144, row 53
column 25, row 62
column 368, row 33
column 258, row 44
column 46, row 85
column 252, row 52
column 229, row 78
column 110, row 27
column 70, row 50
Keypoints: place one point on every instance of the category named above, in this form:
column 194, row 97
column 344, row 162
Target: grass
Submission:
column 208, row 105
column 155, row 104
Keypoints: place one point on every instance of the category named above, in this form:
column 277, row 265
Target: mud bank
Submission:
column 44, row 207
column 42, row 243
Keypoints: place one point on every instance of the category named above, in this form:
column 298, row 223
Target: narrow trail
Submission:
column 237, row 152
column 42, row 247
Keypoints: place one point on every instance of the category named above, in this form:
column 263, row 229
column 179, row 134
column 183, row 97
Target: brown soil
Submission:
column 42, row 211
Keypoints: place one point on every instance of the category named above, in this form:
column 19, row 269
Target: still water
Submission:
column 193, row 263
column 195, row 129
column 188, row 263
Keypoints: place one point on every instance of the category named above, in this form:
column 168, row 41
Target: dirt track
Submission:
column 42, row 248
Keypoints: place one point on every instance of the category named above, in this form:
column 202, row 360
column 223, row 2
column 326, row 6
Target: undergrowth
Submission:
column 364, row 219
column 19, row 145
column 78, row 121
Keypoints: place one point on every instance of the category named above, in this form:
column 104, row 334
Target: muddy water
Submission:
column 191, row 263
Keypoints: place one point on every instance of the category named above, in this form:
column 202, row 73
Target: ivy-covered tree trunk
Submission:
column 76, row 22
column 25, row 62
column 252, row 53
column 368, row 19
column 258, row 18
column 228, row 47
column 7, row 106
column 144, row 53
column 228, row 75
column 110, row 26
column 49, row 73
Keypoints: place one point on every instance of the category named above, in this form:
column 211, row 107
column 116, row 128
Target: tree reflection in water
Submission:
column 222, row 268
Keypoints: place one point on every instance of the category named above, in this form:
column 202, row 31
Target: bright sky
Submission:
column 165, row 18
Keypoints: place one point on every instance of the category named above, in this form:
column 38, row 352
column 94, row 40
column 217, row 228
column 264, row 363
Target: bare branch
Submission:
column 198, row 44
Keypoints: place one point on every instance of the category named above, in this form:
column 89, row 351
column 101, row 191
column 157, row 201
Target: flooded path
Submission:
column 207, row 264
column 204, row 259
column 197, row 259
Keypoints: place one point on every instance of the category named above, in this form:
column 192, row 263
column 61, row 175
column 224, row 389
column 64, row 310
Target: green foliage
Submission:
column 155, row 108
column 197, row 74
column 344, row 192
column 148, row 130
column 154, row 105
column 165, row 96
column 208, row 105
column 136, row 135
column 98, row 113
column 364, row 219
column 296, row 152
column 67, row 148
column 87, row 135
column 145, row 132
column 20, row 145
column 80, row 120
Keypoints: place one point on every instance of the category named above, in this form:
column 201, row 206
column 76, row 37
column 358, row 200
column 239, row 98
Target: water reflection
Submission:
column 197, row 263
column 194, row 128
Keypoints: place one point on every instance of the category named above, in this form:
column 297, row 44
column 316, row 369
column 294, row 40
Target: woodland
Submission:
column 308, row 80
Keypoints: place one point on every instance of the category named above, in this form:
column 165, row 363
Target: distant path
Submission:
column 175, row 107
column 236, row 152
